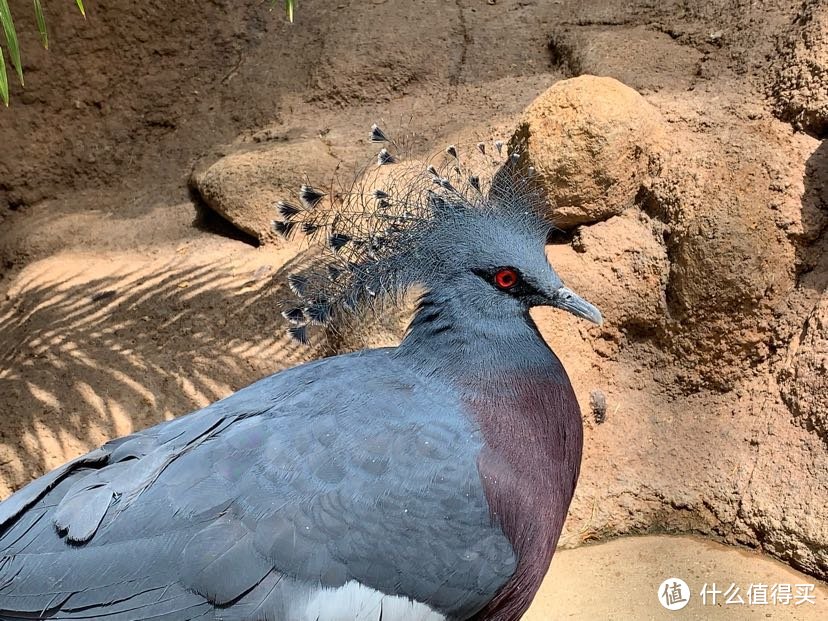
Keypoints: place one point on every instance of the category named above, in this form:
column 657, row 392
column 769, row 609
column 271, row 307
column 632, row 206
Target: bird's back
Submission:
column 349, row 482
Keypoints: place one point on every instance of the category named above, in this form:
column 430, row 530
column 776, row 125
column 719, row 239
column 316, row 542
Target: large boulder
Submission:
column 244, row 186
column 593, row 142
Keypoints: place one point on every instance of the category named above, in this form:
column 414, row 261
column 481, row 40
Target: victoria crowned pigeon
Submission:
column 423, row 482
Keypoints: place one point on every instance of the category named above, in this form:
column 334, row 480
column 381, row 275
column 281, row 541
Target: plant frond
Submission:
column 41, row 24
column 4, row 80
column 11, row 38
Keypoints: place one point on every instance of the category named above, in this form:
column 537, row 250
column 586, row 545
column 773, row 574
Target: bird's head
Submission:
column 493, row 262
column 479, row 243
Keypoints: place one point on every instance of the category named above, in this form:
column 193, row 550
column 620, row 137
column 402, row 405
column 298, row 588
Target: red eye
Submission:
column 506, row 278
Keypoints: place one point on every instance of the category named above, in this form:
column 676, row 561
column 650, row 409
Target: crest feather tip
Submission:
column 310, row 196
column 300, row 334
column 377, row 135
column 384, row 157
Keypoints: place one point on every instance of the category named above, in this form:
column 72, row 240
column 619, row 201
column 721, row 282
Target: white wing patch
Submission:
column 356, row 602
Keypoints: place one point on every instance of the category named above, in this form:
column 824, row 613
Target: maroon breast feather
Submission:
column 529, row 466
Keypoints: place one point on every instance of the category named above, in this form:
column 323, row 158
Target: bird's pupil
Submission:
column 505, row 278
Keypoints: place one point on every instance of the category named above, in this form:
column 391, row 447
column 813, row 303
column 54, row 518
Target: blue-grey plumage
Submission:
column 428, row 481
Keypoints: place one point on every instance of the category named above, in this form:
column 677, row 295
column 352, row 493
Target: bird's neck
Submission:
column 517, row 394
column 446, row 338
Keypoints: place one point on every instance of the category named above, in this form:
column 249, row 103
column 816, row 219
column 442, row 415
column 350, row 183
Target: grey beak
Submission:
column 568, row 300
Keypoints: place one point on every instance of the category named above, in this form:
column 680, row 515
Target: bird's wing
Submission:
column 345, row 482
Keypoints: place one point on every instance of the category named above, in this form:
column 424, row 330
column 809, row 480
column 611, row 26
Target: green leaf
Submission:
column 4, row 80
column 80, row 6
column 11, row 37
column 41, row 24
column 290, row 8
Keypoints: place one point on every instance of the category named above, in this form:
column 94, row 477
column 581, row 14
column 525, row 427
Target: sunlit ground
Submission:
column 619, row 580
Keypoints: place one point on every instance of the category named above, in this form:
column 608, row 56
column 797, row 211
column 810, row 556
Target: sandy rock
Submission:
column 783, row 507
column 624, row 264
column 593, row 141
column 800, row 80
column 731, row 264
column 244, row 186
column 804, row 379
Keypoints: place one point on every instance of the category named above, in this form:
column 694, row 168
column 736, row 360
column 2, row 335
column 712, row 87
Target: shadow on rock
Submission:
column 87, row 359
